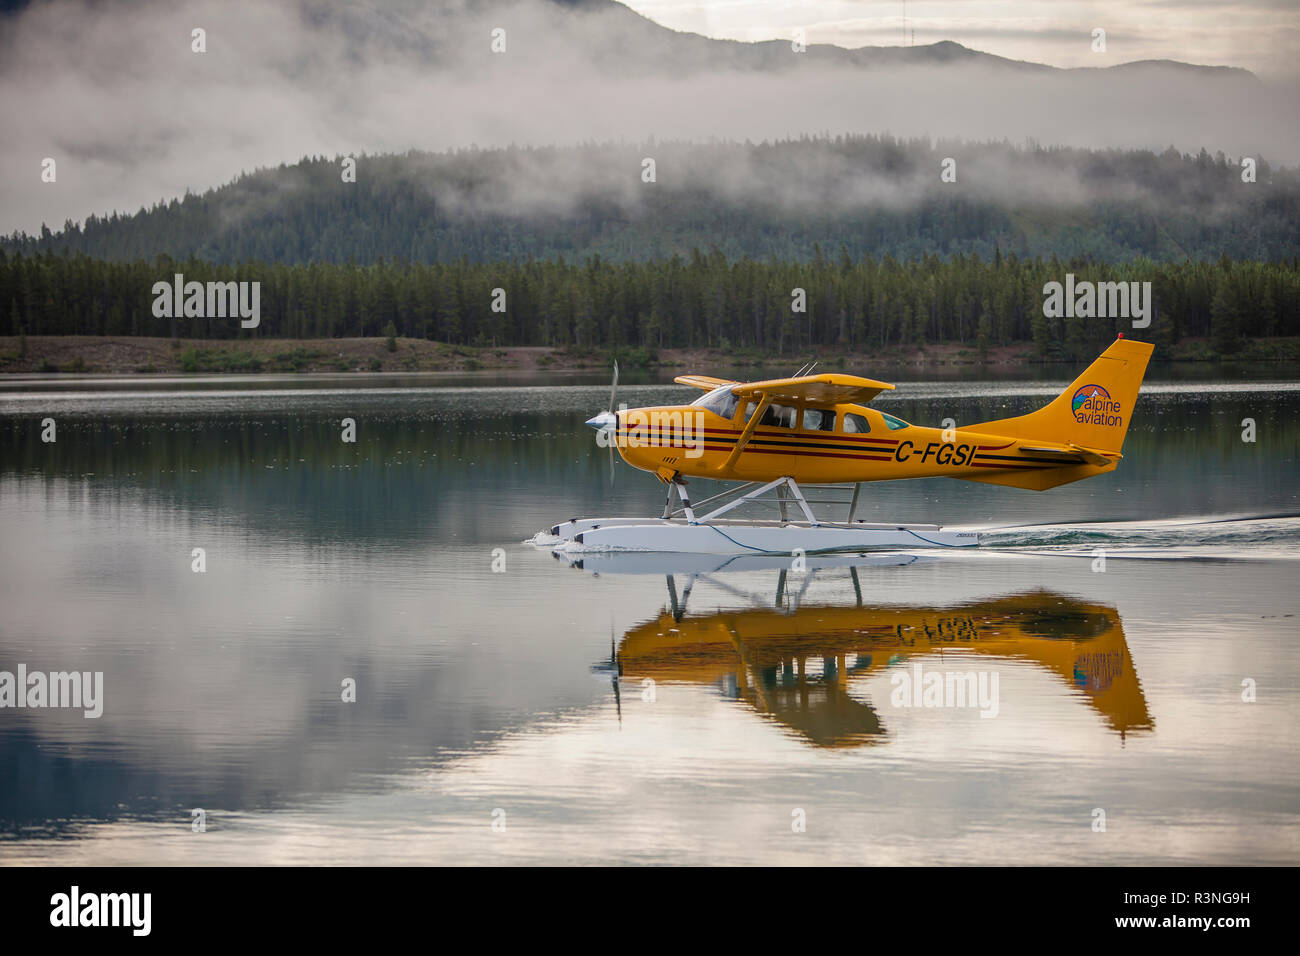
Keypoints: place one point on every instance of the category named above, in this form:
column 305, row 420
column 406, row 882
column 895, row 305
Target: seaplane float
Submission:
column 775, row 437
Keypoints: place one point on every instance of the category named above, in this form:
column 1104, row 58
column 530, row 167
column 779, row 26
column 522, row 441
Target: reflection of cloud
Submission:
column 234, row 703
column 133, row 116
column 689, row 780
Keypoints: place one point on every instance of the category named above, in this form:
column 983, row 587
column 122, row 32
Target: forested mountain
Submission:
column 867, row 195
column 618, row 239
column 702, row 300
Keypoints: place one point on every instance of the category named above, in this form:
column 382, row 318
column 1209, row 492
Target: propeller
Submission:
column 615, row 672
column 614, row 668
column 608, row 421
column 613, row 391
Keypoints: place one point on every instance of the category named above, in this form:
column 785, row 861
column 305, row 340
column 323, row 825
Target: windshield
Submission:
column 720, row 401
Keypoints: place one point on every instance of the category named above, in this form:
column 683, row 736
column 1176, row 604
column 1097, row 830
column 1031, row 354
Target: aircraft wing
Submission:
column 817, row 391
column 706, row 382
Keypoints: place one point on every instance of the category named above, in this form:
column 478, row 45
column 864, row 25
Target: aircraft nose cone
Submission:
column 603, row 420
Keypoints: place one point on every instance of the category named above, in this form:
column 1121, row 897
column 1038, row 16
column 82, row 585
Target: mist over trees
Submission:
column 285, row 79
column 870, row 195
column 590, row 255
column 898, row 239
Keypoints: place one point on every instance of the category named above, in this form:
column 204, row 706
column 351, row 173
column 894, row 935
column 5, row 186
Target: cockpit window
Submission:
column 855, row 424
column 894, row 424
column 720, row 401
column 780, row 416
column 819, row 419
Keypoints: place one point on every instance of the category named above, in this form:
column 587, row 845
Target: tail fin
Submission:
column 1094, row 412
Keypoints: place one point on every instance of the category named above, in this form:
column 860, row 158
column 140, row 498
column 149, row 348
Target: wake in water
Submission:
column 1223, row 537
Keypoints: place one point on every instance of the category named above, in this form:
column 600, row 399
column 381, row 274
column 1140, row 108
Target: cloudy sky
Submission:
column 113, row 92
column 1259, row 35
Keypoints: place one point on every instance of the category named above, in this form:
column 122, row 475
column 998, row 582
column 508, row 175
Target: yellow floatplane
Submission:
column 774, row 436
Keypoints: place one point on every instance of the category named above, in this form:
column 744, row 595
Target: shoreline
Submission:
column 131, row 355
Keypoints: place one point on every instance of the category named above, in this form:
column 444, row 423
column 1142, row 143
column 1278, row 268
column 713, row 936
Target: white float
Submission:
column 682, row 531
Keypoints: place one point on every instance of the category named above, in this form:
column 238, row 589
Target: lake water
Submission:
column 675, row 713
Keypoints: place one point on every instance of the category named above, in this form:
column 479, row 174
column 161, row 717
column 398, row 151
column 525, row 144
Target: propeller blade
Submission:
column 613, row 387
column 613, row 393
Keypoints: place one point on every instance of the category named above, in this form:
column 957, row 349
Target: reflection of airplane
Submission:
column 795, row 666
column 816, row 430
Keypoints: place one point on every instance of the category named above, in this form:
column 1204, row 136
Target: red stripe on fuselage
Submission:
column 815, row 454
column 818, row 436
column 797, row 450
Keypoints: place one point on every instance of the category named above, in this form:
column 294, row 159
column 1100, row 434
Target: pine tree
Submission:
column 1225, row 332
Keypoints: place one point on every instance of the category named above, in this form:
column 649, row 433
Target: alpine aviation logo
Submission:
column 1092, row 405
column 1085, row 394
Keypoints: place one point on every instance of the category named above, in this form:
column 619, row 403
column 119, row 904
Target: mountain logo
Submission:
column 1086, row 393
column 1092, row 405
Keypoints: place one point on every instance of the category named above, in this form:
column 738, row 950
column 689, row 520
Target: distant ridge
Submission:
column 639, row 34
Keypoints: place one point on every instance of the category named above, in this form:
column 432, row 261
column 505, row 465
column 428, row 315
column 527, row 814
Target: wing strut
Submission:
column 747, row 434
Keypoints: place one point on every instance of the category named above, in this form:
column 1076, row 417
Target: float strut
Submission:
column 686, row 501
column 678, row 609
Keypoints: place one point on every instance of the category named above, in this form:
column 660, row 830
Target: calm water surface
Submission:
column 664, row 712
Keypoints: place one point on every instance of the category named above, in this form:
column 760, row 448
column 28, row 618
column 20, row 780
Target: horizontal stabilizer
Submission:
column 1071, row 454
column 1094, row 457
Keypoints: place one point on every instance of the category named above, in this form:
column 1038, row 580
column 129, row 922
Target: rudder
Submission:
column 1094, row 412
